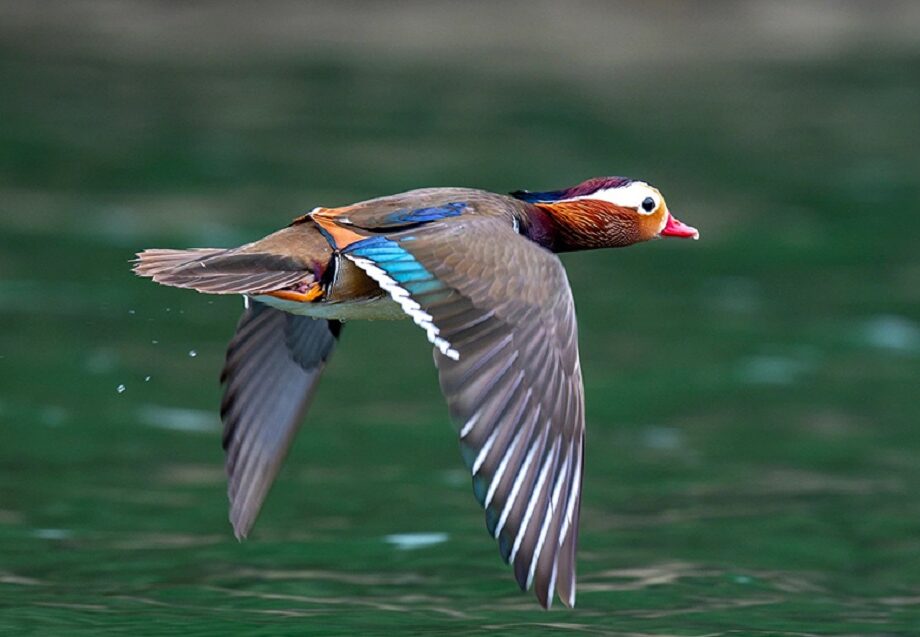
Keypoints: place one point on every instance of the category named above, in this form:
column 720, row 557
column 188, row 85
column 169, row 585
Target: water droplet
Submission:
column 120, row 389
column 192, row 353
column 155, row 342
column 131, row 312
column 146, row 379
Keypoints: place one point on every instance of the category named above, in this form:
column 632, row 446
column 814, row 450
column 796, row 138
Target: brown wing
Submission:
column 499, row 310
column 419, row 207
column 273, row 364
column 218, row 271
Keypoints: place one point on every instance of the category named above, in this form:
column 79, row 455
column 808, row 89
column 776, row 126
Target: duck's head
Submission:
column 607, row 212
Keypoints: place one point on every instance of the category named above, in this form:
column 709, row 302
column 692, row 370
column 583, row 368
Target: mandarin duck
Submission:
column 478, row 273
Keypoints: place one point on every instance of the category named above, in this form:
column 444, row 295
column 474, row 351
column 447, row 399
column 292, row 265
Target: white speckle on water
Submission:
column 52, row 415
column 662, row 438
column 146, row 379
column 192, row 353
column 743, row 579
column 131, row 312
column 101, row 361
column 120, row 389
column 456, row 478
column 52, row 534
column 17, row 580
column 892, row 332
column 178, row 419
column 410, row 541
column 155, row 342
column 773, row 369
column 734, row 294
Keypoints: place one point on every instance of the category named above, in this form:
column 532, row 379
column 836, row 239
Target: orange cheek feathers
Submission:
column 651, row 225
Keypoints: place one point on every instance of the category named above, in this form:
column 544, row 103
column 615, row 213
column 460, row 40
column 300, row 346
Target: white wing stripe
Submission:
column 518, row 480
column 481, row 457
column 552, row 585
column 533, row 499
column 469, row 424
column 509, row 453
column 413, row 309
column 554, row 502
column 573, row 495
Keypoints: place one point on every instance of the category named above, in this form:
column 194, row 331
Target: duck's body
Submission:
column 348, row 293
column 476, row 271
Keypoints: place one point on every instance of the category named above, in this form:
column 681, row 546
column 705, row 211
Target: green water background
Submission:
column 752, row 398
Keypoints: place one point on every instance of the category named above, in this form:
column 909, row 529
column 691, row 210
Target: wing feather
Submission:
column 270, row 374
column 218, row 271
column 514, row 390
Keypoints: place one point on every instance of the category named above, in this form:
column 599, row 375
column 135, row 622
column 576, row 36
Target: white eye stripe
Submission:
column 629, row 196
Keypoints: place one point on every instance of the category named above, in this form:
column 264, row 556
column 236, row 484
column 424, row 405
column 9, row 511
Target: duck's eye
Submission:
column 648, row 204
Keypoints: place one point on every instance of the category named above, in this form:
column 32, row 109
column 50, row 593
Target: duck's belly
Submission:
column 376, row 308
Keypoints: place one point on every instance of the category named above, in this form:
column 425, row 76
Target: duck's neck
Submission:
column 580, row 225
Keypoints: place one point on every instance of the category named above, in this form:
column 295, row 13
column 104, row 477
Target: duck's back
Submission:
column 347, row 291
column 423, row 206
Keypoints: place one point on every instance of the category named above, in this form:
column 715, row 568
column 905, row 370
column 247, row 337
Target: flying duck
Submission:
column 478, row 273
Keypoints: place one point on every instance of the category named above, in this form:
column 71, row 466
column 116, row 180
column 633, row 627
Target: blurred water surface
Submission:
column 752, row 398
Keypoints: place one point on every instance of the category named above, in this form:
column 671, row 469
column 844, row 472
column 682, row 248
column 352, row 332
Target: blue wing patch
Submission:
column 424, row 215
column 406, row 280
column 397, row 262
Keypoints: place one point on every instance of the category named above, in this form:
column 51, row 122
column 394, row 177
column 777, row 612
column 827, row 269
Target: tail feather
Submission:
column 218, row 271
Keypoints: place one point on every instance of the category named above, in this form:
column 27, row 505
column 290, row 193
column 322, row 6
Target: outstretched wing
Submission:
column 273, row 364
column 499, row 310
